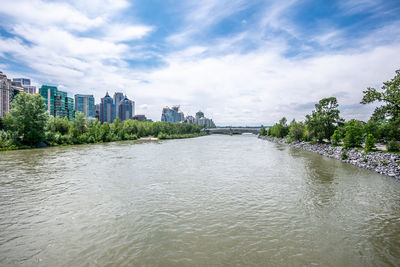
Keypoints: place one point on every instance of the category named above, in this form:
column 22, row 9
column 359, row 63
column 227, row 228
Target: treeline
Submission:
column 324, row 124
column 29, row 125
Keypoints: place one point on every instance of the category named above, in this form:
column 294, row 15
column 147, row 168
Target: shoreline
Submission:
column 380, row 162
column 146, row 138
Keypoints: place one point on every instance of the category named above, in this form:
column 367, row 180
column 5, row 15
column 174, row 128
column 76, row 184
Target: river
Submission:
column 209, row 201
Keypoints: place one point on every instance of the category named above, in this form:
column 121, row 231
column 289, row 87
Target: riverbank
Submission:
column 146, row 138
column 380, row 162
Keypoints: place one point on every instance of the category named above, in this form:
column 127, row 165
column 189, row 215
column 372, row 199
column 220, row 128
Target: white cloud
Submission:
column 120, row 32
column 230, row 85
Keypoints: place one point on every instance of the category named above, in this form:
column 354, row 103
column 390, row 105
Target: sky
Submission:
column 242, row 62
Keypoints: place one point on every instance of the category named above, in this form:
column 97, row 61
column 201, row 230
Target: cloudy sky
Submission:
column 242, row 62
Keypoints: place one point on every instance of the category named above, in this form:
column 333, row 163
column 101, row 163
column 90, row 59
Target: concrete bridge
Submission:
column 234, row 130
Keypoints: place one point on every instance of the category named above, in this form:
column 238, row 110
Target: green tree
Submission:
column 29, row 118
column 389, row 94
column 296, row 130
column 263, row 132
column 369, row 143
column 325, row 119
column 353, row 133
column 336, row 137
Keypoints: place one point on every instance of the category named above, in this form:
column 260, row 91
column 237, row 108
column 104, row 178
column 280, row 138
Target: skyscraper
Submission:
column 58, row 103
column 26, row 85
column 85, row 104
column 118, row 96
column 173, row 114
column 107, row 109
column 125, row 109
column 5, row 94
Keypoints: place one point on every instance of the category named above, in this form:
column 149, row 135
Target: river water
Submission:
column 208, row 201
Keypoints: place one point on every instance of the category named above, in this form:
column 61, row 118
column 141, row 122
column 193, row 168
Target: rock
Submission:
column 384, row 163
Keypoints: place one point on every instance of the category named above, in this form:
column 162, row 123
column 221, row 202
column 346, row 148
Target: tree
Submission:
column 390, row 95
column 296, row 130
column 325, row 119
column 263, row 132
column 336, row 137
column 353, row 134
column 280, row 129
column 369, row 143
column 29, row 118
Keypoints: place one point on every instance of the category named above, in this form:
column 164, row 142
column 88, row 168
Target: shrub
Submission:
column 354, row 134
column 393, row 146
column 336, row 137
column 344, row 155
column 369, row 143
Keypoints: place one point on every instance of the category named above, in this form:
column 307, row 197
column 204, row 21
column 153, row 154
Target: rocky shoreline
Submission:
column 383, row 163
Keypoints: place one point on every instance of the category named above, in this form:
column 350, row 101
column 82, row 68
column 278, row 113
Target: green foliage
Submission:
column 393, row 146
column 389, row 94
column 280, row 129
column 7, row 140
column 353, row 133
column 344, row 155
column 325, row 119
column 28, row 118
column 263, row 132
column 336, row 137
column 369, row 142
column 296, row 130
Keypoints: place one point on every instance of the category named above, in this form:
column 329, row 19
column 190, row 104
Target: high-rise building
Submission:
column 25, row 84
column 200, row 120
column 107, row 109
column 173, row 114
column 5, row 94
column 125, row 109
column 97, row 111
column 57, row 102
column 118, row 96
column 22, row 81
column 85, row 104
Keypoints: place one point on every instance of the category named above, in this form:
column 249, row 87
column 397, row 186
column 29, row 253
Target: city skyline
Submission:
column 241, row 62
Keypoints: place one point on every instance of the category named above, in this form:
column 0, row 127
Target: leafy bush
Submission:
column 393, row 146
column 344, row 155
column 296, row 130
column 369, row 143
column 353, row 134
column 336, row 137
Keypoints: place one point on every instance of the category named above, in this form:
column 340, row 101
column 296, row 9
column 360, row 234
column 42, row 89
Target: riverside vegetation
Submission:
column 28, row 125
column 326, row 133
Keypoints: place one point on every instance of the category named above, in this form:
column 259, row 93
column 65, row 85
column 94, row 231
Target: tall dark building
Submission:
column 107, row 109
column 118, row 96
column 125, row 109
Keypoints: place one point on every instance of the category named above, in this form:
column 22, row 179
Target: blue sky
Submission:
column 241, row 62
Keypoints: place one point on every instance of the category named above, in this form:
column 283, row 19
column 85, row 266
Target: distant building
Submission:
column 118, row 96
column 16, row 88
column 26, row 85
column 190, row 120
column 140, row 118
column 200, row 120
column 5, row 94
column 173, row 114
column 85, row 104
column 57, row 102
column 22, row 81
column 97, row 111
column 107, row 109
column 125, row 109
